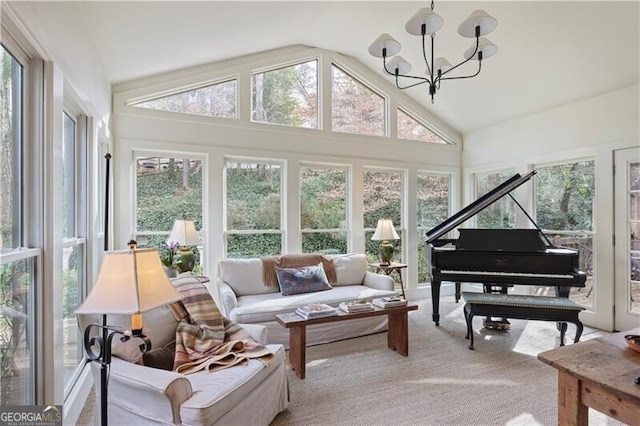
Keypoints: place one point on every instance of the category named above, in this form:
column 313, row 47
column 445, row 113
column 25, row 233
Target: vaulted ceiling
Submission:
column 551, row 53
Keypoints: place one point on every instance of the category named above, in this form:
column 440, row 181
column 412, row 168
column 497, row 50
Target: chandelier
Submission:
column 425, row 23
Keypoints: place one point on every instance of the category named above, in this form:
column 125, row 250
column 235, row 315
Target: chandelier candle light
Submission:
column 425, row 23
column 385, row 232
column 184, row 233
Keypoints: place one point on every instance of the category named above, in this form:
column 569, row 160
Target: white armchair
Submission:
column 252, row 393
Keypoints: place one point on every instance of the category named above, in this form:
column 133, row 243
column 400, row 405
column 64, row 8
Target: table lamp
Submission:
column 385, row 232
column 184, row 233
column 130, row 282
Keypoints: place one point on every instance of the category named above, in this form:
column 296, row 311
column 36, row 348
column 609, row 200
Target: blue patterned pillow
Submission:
column 306, row 279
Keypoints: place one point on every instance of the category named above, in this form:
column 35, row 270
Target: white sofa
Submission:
column 247, row 394
column 242, row 296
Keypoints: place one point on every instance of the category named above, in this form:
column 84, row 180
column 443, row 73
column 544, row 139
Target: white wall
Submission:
column 608, row 119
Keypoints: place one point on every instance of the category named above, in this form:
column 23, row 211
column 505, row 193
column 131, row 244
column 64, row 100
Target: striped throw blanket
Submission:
column 205, row 340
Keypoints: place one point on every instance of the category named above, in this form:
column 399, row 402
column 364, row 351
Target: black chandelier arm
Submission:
column 464, row 76
column 461, row 63
column 424, row 55
column 424, row 80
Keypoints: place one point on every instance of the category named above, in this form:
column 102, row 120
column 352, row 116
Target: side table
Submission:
column 388, row 269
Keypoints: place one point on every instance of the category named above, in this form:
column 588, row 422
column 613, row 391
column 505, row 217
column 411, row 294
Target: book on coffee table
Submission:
column 389, row 302
column 355, row 306
column 316, row 310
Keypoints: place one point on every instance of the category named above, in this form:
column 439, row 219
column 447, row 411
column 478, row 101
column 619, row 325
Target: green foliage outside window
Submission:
column 287, row 96
column 168, row 189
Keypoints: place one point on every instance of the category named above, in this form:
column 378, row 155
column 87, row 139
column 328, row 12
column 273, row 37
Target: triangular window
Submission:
column 411, row 129
column 215, row 100
column 355, row 108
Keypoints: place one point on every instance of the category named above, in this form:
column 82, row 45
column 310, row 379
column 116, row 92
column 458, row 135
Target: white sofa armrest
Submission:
column 150, row 393
column 378, row 281
column 258, row 332
column 225, row 297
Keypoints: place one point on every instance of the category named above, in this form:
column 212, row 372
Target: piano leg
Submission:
column 562, row 327
column 457, row 291
column 435, row 300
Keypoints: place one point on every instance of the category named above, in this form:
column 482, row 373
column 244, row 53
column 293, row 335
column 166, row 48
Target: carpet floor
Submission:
column 361, row 382
column 441, row 382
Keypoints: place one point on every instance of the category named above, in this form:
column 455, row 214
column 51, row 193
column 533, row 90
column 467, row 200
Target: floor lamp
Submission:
column 130, row 282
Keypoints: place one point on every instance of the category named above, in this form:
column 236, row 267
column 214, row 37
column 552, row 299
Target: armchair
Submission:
column 252, row 393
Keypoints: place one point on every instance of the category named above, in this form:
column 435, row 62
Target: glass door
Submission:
column 627, row 239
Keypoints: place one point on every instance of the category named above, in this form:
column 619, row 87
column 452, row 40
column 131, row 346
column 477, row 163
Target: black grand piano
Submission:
column 498, row 256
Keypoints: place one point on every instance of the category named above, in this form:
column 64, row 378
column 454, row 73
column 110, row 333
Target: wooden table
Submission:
column 397, row 336
column 598, row 373
column 388, row 269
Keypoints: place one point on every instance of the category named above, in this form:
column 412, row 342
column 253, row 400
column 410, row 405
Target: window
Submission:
column 323, row 209
column 433, row 208
column 215, row 100
column 18, row 266
column 74, row 231
column 167, row 188
column 502, row 213
column 253, row 209
column 412, row 129
column 355, row 108
column 287, row 96
column 382, row 192
column 564, row 211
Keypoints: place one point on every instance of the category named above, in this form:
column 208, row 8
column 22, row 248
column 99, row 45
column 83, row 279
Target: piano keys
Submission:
column 498, row 256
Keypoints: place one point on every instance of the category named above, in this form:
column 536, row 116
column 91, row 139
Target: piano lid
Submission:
column 477, row 206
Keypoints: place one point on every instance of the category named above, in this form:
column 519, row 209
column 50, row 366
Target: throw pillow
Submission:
column 161, row 358
column 302, row 280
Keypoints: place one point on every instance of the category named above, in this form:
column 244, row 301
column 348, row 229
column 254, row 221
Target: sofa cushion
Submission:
column 244, row 276
column 218, row 392
column 261, row 308
column 306, row 279
column 350, row 268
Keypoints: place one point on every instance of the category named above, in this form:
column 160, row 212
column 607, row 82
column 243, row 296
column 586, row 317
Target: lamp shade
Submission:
column 442, row 64
column 431, row 20
column 486, row 22
column 130, row 282
column 385, row 231
column 485, row 46
column 400, row 64
column 385, row 41
column 184, row 233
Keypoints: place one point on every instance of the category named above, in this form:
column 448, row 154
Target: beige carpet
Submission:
column 441, row 382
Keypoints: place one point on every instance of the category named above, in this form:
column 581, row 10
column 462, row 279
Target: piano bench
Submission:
column 540, row 308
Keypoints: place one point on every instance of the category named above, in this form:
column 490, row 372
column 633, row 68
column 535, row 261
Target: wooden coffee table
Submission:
column 397, row 336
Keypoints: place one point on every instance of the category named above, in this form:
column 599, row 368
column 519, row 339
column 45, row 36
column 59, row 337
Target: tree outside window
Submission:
column 564, row 211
